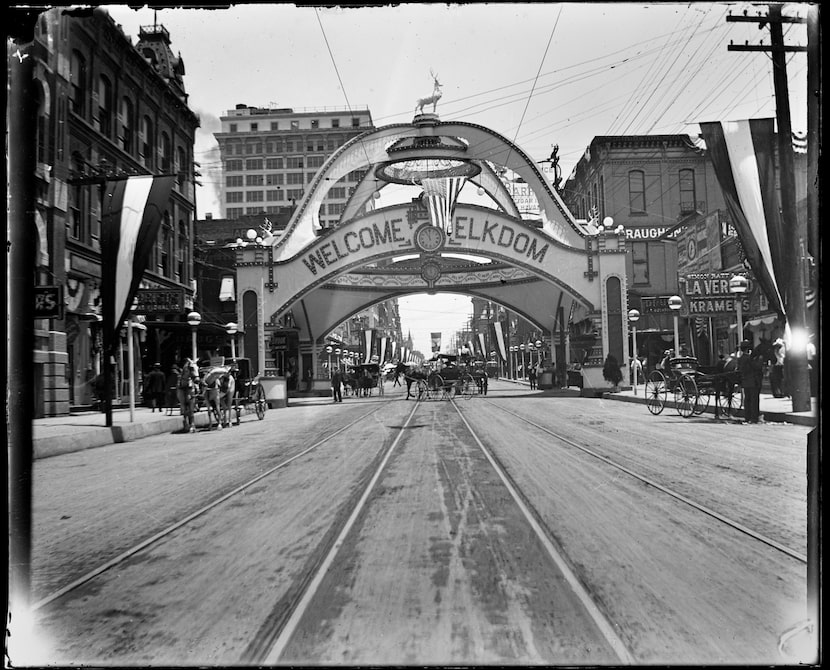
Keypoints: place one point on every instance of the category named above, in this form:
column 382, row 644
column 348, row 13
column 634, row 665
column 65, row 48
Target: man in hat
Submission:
column 154, row 386
column 750, row 367
column 776, row 374
column 172, row 400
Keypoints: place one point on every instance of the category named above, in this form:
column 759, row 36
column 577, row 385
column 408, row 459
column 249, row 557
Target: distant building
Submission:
column 106, row 108
column 269, row 155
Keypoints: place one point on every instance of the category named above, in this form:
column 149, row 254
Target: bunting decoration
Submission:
column 472, row 348
column 131, row 216
column 368, row 344
column 482, row 346
column 742, row 153
column 499, row 338
column 440, row 195
column 384, row 341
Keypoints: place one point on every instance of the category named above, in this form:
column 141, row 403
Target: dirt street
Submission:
column 440, row 567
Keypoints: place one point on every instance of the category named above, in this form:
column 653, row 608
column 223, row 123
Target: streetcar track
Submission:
column 120, row 558
column 660, row 487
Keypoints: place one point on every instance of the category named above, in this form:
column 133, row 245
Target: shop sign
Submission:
column 707, row 294
column 655, row 305
column 649, row 233
column 153, row 301
column 49, row 302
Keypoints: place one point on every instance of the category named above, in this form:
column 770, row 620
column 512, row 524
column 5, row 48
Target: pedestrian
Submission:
column 776, row 375
column 172, row 399
column 812, row 367
column 336, row 384
column 750, row 367
column 380, row 386
column 154, row 387
column 531, row 377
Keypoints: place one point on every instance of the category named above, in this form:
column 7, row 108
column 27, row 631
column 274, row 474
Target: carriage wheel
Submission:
column 685, row 396
column 435, row 385
column 422, row 390
column 469, row 388
column 260, row 402
column 656, row 391
column 729, row 401
column 703, row 398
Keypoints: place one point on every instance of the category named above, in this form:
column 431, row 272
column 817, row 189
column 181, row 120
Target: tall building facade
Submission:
column 107, row 108
column 269, row 155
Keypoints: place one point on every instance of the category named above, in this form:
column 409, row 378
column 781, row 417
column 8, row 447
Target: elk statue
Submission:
column 434, row 98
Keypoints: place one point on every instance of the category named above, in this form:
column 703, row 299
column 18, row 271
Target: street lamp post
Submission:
column 633, row 317
column 329, row 349
column 675, row 303
column 231, row 329
column 539, row 345
column 524, row 368
column 193, row 320
column 738, row 285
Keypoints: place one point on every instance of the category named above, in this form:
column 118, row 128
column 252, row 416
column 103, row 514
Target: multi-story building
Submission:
column 269, row 155
column 106, row 109
column 649, row 184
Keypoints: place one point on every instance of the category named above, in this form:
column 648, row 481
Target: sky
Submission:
column 541, row 74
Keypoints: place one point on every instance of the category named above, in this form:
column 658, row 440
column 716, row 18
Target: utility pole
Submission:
column 794, row 233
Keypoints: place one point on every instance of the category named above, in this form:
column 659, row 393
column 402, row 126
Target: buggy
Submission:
column 250, row 395
column 693, row 387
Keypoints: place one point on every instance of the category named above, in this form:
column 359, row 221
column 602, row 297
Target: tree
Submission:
column 611, row 371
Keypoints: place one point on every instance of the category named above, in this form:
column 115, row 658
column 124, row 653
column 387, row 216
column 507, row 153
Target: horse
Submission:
column 365, row 384
column 350, row 383
column 412, row 375
column 187, row 389
column 400, row 369
column 219, row 389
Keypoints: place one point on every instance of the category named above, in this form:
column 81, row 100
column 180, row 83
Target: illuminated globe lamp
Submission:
column 675, row 303
column 539, row 345
column 738, row 285
column 633, row 318
column 329, row 350
column 231, row 329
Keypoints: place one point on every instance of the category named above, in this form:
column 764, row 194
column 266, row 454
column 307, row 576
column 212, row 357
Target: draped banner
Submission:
column 499, row 337
column 394, row 350
column 472, row 348
column 436, row 341
column 742, row 153
column 368, row 344
column 131, row 216
column 382, row 356
column 482, row 346
column 440, row 195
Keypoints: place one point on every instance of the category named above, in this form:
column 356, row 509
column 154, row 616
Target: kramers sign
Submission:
column 707, row 294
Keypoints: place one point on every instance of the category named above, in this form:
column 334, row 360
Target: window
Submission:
column 355, row 122
column 309, row 177
column 315, row 123
column 164, row 247
column 294, row 163
column 335, row 123
column 77, row 78
column 274, row 195
column 181, row 253
column 234, row 165
column 147, row 142
column 274, row 180
column 234, row 196
column 687, row 191
column 315, row 161
column 637, row 191
column 234, row 212
column 181, row 164
column 234, row 180
column 338, row 193
column 275, row 125
column 639, row 257
column 254, row 210
column 233, row 128
column 253, row 196
column 273, row 163
column 254, row 127
column 105, row 106
column 254, row 180
column 166, row 153
column 335, row 208
column 294, row 194
column 295, row 125
column 253, row 164
column 294, row 178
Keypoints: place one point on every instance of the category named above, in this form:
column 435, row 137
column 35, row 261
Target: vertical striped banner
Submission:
column 482, row 346
column 384, row 341
column 368, row 344
column 498, row 334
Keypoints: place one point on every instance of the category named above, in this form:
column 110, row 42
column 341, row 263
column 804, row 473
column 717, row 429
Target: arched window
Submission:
column 182, row 253
column 181, row 165
column 688, row 200
column 147, row 142
column 166, row 153
column 637, row 191
column 77, row 83
column 105, row 106
column 127, row 126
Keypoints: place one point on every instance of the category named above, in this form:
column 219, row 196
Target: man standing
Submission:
column 336, row 383
column 154, row 386
column 751, row 370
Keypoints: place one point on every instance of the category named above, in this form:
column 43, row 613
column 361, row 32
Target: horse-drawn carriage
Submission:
column 250, row 394
column 361, row 379
column 693, row 387
column 447, row 378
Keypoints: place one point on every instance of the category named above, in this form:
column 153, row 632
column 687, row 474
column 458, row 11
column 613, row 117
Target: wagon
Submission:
column 364, row 378
column 693, row 388
column 447, row 379
column 250, row 394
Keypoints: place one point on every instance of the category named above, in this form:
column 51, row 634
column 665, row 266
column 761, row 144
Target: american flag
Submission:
column 440, row 195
